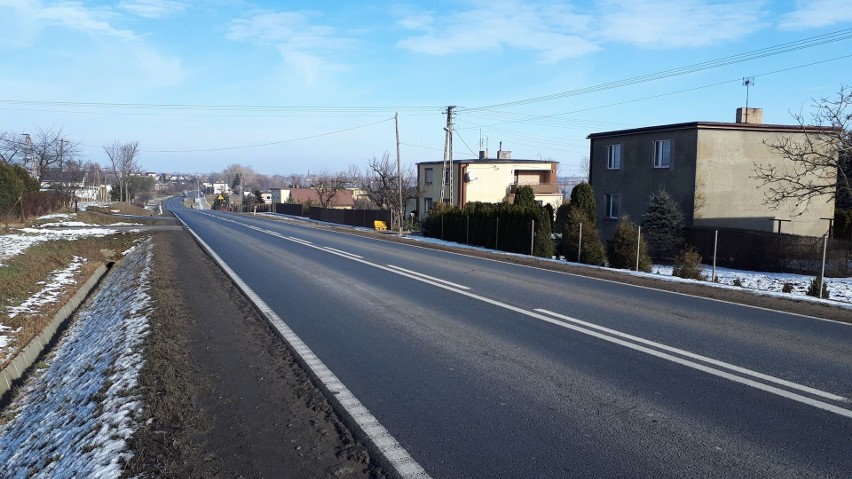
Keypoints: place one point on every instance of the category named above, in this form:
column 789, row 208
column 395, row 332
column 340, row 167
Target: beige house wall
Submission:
column 727, row 195
column 485, row 181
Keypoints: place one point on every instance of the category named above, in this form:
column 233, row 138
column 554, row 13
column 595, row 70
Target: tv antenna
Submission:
column 747, row 82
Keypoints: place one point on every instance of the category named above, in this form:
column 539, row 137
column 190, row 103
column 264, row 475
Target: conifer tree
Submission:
column 663, row 224
column 622, row 251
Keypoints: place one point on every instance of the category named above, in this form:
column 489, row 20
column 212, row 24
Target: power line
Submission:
column 533, row 118
column 832, row 37
column 224, row 148
column 225, row 108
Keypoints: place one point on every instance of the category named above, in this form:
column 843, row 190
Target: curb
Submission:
column 28, row 355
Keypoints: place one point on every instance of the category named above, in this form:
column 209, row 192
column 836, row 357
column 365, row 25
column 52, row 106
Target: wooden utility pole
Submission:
column 398, row 173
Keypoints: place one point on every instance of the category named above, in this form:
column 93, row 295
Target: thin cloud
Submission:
column 75, row 16
column 499, row 25
column 153, row 8
column 816, row 14
column 679, row 23
column 303, row 45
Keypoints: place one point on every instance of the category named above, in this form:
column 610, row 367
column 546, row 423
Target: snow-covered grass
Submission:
column 74, row 417
column 16, row 243
column 50, row 293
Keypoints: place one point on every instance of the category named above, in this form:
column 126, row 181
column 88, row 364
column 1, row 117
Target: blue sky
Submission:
column 288, row 87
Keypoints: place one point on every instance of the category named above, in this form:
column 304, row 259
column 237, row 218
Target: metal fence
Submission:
column 772, row 252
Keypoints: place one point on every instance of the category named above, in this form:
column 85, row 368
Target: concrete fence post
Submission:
column 715, row 244
column 532, row 239
column 822, row 270
column 579, row 244
column 497, row 234
column 638, row 243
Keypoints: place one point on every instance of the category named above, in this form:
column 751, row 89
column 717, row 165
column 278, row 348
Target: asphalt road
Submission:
column 486, row 369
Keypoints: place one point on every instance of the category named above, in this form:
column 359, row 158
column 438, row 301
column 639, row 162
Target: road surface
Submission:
column 486, row 369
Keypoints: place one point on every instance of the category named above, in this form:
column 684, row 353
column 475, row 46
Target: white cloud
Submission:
column 553, row 30
column 153, row 8
column 679, row 23
column 816, row 14
column 75, row 16
column 125, row 60
column 303, row 45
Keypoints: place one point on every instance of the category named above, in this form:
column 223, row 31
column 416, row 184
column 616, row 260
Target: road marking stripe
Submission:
column 346, row 253
column 431, row 278
column 699, row 357
column 396, row 456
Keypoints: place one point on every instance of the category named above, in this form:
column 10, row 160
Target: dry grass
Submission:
column 120, row 209
column 166, row 445
column 21, row 274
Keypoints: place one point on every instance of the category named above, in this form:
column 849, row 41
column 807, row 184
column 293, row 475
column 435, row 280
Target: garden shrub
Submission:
column 622, row 248
column 687, row 264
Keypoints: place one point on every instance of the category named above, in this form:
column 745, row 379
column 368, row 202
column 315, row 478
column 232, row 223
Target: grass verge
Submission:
column 21, row 275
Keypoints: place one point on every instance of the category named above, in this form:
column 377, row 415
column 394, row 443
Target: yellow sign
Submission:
column 220, row 198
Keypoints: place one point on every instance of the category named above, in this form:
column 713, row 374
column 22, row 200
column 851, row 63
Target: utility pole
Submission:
column 62, row 165
column 448, row 156
column 28, row 154
column 398, row 173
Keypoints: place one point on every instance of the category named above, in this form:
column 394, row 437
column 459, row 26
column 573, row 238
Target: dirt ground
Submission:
column 225, row 397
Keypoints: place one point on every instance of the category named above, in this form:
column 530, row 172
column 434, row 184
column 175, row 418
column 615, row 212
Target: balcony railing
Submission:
column 543, row 189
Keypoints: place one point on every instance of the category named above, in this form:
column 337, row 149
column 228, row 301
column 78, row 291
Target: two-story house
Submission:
column 707, row 168
column 489, row 180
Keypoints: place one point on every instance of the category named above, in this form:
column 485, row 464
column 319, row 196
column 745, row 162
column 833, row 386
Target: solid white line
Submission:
column 335, row 250
column 741, row 370
column 396, row 456
column 684, row 362
column 432, row 278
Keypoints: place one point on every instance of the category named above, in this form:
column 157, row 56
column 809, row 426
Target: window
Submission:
column 613, row 157
column 427, row 205
column 429, row 175
column 662, row 153
column 447, row 172
column 613, row 206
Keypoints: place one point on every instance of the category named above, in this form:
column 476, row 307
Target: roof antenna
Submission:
column 747, row 82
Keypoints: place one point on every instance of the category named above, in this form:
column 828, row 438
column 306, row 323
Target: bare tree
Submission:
column 122, row 157
column 13, row 148
column 51, row 150
column 295, row 180
column 327, row 185
column 818, row 157
column 381, row 184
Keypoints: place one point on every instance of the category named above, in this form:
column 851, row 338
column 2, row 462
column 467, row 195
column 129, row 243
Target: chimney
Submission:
column 751, row 116
column 483, row 154
column 503, row 155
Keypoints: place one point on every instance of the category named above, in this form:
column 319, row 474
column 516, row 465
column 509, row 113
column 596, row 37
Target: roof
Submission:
column 490, row 161
column 302, row 195
column 710, row 125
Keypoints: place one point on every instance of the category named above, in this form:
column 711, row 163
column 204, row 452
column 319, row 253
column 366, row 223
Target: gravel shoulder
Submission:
column 225, row 396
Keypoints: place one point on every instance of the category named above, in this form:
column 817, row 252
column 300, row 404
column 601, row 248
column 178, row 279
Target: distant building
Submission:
column 706, row 167
column 490, row 180
column 341, row 200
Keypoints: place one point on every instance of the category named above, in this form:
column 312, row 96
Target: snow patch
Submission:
column 52, row 291
column 74, row 418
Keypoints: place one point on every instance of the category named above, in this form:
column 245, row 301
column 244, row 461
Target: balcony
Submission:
column 543, row 189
